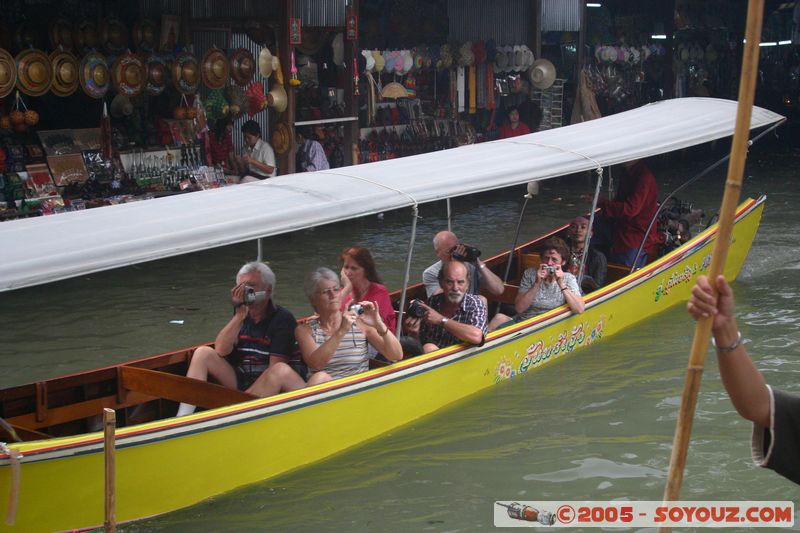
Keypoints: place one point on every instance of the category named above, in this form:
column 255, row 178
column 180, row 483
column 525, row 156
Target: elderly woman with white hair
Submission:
column 335, row 343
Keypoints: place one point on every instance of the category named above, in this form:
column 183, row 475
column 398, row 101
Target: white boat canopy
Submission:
column 45, row 249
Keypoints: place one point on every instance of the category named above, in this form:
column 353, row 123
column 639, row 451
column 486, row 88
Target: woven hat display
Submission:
column 84, row 36
column 542, row 74
column 236, row 99
column 265, row 63
column 113, row 36
column 128, row 74
column 501, row 59
column 394, row 90
column 8, row 73
column 26, row 35
column 157, row 73
column 61, row 34
column 216, row 69
column 260, row 32
column 281, row 138
column 34, row 72
column 93, row 74
column 186, row 73
column 256, row 99
column 145, row 36
column 243, row 66
column 277, row 98
column 380, row 62
column 65, row 73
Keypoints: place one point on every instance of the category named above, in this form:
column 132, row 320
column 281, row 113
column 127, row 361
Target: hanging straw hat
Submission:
column 128, row 74
column 157, row 73
column 265, row 63
column 26, row 35
column 145, row 36
column 501, row 59
column 215, row 68
column 61, row 34
column 93, row 75
column 542, row 74
column 338, row 49
column 113, row 36
column 260, row 32
column 34, row 72
column 281, row 138
column 84, row 36
column 186, row 73
column 121, row 106
column 256, row 99
column 8, row 73
column 243, row 66
column 277, row 99
column 394, row 90
column 65, row 73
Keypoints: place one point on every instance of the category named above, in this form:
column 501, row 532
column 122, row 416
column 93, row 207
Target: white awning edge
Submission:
column 45, row 249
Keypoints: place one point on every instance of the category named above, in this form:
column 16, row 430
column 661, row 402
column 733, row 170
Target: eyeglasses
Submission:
column 330, row 292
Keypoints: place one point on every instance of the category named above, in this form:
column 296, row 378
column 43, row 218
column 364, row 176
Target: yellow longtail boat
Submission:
column 54, row 482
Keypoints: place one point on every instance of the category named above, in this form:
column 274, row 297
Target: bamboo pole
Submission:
column 730, row 200
column 109, row 445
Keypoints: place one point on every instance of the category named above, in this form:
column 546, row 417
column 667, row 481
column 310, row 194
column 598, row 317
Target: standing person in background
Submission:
column 258, row 160
column 628, row 215
column 775, row 414
column 310, row 153
column 514, row 127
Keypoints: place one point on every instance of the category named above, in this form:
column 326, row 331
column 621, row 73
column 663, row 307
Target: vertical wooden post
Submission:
column 109, row 446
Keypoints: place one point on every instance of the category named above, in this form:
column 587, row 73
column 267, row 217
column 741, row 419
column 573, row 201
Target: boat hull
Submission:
column 170, row 464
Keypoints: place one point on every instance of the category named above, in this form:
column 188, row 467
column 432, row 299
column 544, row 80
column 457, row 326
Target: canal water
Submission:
column 597, row 425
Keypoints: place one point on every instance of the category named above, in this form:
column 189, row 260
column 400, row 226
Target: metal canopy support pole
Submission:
column 591, row 223
column 260, row 256
column 449, row 217
column 527, row 197
column 414, row 217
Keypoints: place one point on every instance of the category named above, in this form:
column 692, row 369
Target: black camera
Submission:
column 470, row 254
column 416, row 310
column 252, row 296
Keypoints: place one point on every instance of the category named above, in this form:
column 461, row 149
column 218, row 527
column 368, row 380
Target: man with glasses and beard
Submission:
column 453, row 315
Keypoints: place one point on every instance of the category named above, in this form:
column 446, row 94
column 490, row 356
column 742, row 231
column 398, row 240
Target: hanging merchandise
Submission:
column 278, row 99
column 93, row 74
column 65, row 73
column 113, row 36
column 157, row 74
column 243, row 67
column 34, row 72
column 542, row 74
column 265, row 65
column 128, row 74
column 186, row 73
column 61, row 34
column 145, row 36
column 84, row 36
column 216, row 105
column 281, row 138
column 256, row 100
column 8, row 73
column 215, row 70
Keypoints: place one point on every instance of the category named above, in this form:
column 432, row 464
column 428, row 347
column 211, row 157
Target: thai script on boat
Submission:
column 681, row 276
column 538, row 352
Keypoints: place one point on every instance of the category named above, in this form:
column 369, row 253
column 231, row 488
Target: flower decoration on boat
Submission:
column 505, row 370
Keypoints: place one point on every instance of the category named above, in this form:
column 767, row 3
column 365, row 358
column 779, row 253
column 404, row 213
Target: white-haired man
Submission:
column 258, row 335
column 445, row 244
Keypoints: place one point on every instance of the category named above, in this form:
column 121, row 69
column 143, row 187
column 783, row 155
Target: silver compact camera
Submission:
column 252, row 296
column 550, row 269
column 357, row 309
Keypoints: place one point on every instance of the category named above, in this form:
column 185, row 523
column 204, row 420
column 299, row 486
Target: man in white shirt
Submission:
column 258, row 160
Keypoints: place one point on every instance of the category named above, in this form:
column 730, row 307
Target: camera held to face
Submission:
column 470, row 254
column 550, row 269
column 358, row 309
column 416, row 310
column 252, row 296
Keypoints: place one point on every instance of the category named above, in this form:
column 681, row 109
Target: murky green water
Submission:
column 597, row 426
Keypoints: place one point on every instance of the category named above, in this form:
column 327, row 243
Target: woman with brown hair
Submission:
column 361, row 283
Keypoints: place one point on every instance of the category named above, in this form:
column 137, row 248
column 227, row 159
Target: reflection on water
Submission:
column 595, row 426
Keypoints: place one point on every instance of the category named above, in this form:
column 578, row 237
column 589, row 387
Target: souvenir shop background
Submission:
column 108, row 101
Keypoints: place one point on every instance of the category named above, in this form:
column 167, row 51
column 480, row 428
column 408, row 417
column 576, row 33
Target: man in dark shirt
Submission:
column 594, row 272
column 453, row 315
column 258, row 335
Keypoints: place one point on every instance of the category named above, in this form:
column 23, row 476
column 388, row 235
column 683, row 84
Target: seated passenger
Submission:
column 334, row 344
column 258, row 336
column 546, row 287
column 445, row 244
column 358, row 269
column 451, row 316
column 594, row 272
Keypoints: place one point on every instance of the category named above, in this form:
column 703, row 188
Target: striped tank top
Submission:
column 351, row 357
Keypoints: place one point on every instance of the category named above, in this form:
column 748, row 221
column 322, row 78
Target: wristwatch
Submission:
column 444, row 321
